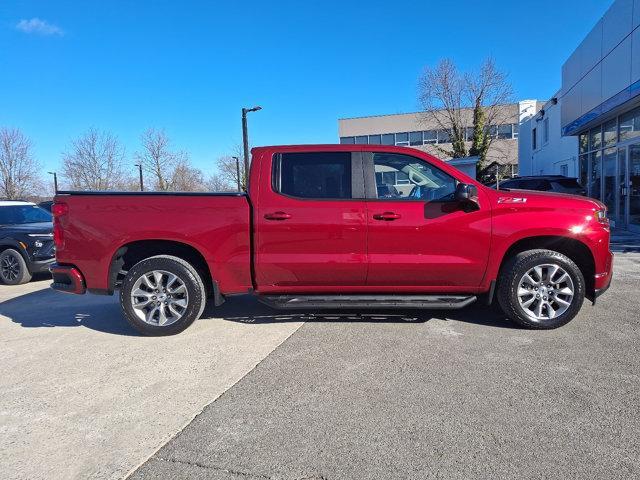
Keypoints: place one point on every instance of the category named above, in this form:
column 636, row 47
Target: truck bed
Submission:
column 99, row 224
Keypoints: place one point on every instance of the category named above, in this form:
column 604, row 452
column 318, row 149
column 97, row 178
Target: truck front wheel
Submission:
column 162, row 295
column 541, row 289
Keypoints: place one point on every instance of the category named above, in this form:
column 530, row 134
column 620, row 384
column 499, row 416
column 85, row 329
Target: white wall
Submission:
column 547, row 158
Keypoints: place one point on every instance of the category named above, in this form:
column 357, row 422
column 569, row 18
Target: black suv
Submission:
column 546, row 183
column 26, row 241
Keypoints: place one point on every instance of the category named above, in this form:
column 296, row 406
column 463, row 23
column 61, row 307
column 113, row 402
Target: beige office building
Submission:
column 421, row 131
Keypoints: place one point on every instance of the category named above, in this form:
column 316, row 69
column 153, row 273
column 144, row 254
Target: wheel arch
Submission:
column 131, row 253
column 6, row 244
column 574, row 249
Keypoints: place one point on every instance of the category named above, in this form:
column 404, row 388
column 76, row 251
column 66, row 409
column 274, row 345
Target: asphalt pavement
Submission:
column 461, row 394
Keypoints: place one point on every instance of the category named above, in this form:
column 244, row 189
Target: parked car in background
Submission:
column 46, row 205
column 547, row 183
column 335, row 226
column 26, row 241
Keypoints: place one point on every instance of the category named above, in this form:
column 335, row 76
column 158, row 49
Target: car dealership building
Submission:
column 591, row 128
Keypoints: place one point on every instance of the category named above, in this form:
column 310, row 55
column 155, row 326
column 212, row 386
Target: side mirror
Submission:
column 466, row 193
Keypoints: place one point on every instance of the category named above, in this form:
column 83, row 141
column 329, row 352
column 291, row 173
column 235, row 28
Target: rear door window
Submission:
column 321, row 175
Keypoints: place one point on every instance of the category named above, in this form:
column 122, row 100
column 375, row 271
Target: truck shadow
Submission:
column 49, row 309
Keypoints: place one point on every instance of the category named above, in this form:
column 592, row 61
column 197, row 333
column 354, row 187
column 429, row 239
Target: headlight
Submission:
column 601, row 216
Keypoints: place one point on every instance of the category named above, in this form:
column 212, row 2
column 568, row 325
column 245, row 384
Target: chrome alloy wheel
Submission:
column 159, row 298
column 10, row 268
column 545, row 292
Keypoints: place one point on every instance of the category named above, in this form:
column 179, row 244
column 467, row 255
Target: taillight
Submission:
column 59, row 209
column 58, row 237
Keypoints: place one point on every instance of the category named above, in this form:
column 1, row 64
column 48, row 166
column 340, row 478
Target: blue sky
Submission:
column 189, row 66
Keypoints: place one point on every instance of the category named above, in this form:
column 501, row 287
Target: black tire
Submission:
column 13, row 268
column 509, row 282
column 188, row 276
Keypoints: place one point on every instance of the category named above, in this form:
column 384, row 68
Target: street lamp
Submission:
column 139, row 165
column 238, row 173
column 245, row 138
column 55, row 181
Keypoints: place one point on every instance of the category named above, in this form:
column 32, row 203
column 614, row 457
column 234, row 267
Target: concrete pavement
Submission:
column 82, row 396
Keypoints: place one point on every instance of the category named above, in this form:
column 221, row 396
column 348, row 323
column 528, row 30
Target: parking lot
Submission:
column 411, row 394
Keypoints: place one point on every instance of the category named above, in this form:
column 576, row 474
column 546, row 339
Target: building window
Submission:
column 348, row 140
column 610, row 133
column 595, row 138
column 362, row 140
column 583, row 143
column 468, row 134
column 630, row 125
column 504, row 131
column 388, row 139
column 402, row 139
column 415, row 138
column 545, row 131
column 564, row 170
column 430, row 136
column 374, row 139
column 443, row 136
column 516, row 128
column 534, row 138
column 584, row 170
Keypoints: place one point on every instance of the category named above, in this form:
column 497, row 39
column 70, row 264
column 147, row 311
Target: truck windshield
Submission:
column 21, row 214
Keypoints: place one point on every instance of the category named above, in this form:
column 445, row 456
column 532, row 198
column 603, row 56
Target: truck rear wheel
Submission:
column 162, row 295
column 541, row 289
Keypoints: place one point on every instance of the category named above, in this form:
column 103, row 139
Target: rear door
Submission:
column 420, row 238
column 310, row 225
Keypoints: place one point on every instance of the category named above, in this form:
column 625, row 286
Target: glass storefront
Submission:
column 610, row 167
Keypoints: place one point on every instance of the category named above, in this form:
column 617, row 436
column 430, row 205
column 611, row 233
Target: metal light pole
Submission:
column 139, row 165
column 55, row 181
column 245, row 138
column 238, row 173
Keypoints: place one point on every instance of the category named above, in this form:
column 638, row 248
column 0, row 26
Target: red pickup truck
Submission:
column 335, row 226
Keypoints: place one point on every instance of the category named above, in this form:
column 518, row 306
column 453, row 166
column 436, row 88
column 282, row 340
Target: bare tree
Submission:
column 443, row 93
column 94, row 162
column 488, row 90
column 215, row 183
column 186, row 178
column 228, row 171
column 448, row 97
column 18, row 169
column 158, row 159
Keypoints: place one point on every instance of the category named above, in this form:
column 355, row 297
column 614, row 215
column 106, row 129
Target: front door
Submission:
column 420, row 239
column 310, row 225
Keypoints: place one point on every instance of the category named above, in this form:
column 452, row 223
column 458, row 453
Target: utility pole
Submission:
column 55, row 181
column 238, row 173
column 245, row 139
column 139, row 165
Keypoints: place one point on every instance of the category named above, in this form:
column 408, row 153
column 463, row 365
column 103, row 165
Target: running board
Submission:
column 440, row 302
